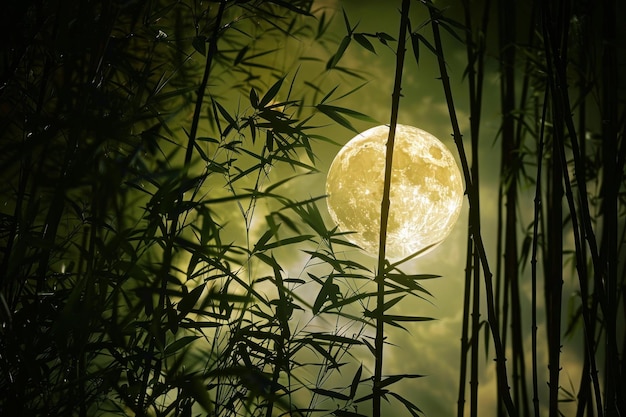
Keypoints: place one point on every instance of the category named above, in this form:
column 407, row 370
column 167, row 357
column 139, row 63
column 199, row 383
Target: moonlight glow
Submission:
column 426, row 190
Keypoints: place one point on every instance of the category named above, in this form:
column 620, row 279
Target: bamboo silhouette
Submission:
column 559, row 127
column 475, row 49
column 472, row 188
column 379, row 343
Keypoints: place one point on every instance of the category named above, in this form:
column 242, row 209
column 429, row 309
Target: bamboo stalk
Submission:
column 476, row 90
column 554, row 281
column 465, row 327
column 475, row 49
column 585, row 402
column 471, row 187
column 475, row 328
column 379, row 342
column 507, row 187
column 556, row 53
column 510, row 170
column 536, row 220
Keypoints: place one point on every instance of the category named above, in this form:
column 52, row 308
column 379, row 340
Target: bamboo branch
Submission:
column 205, row 79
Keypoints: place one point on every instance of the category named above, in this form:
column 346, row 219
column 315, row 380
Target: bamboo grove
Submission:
column 562, row 128
column 153, row 156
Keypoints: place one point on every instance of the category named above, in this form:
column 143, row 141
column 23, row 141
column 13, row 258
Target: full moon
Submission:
column 426, row 191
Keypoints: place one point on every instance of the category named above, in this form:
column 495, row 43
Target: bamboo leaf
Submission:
column 364, row 42
column 395, row 378
column 415, row 43
column 355, row 381
column 322, row 26
column 320, row 349
column 352, row 91
column 412, row 408
column 271, row 92
column 290, row 6
column 370, row 347
column 225, row 114
column 330, row 93
column 349, row 112
column 392, row 302
column 450, row 30
column 370, row 396
column 393, row 318
column 240, row 55
column 172, row 317
column 384, row 38
column 334, row 60
column 335, row 263
column 335, row 338
column 349, row 29
column 179, row 344
column 407, row 282
column 333, row 114
column 344, row 413
column 262, row 241
column 186, row 304
column 199, row 325
column 328, row 291
column 425, row 42
column 199, row 44
column 207, row 139
column 349, row 300
column 172, row 94
column 295, row 280
column 286, row 241
column 331, row 394
column 269, row 140
column 254, row 98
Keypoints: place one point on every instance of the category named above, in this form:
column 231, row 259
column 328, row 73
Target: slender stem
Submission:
column 475, row 93
column 475, row 331
column 554, row 278
column 509, row 177
column 488, row 276
column 475, row 48
column 205, row 79
column 554, row 281
column 584, row 399
column 283, row 336
column 537, row 214
column 465, row 327
column 384, row 211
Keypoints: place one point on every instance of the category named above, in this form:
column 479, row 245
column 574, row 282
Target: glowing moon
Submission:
column 426, row 190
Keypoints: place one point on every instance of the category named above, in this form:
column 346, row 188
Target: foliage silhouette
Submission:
column 150, row 151
column 148, row 217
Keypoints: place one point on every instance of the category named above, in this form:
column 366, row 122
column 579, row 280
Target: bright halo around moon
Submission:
column 426, row 191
